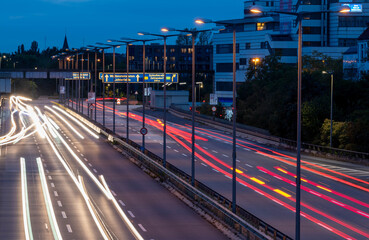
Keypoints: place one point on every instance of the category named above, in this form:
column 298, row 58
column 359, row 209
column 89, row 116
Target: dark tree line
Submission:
column 32, row 58
column 268, row 100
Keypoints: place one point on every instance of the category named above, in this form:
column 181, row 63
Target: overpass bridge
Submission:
column 7, row 74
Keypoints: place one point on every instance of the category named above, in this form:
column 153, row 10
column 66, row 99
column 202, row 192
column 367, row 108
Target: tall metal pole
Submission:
column 76, row 84
column 298, row 160
column 114, row 89
column 127, row 127
column 95, row 82
column 103, row 83
column 165, row 105
column 143, row 91
column 193, row 112
column 79, row 84
column 330, row 136
column 234, row 116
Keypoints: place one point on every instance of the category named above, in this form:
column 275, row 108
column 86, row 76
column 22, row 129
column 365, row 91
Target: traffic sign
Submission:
column 213, row 99
column 143, row 131
column 118, row 101
column 62, row 90
column 91, row 97
column 213, row 108
column 80, row 75
column 138, row 77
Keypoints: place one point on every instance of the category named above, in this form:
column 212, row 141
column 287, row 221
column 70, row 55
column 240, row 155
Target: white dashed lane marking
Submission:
column 142, row 228
column 122, row 203
column 130, row 213
column 69, row 228
column 63, row 214
column 59, row 204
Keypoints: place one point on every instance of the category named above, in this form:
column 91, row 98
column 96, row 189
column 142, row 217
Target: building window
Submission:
column 267, row 3
column 311, row 2
column 183, row 50
column 263, row 45
column 312, row 44
column 312, row 16
column 260, row 26
column 272, row 3
column 224, row 86
column 172, row 50
column 226, row 48
column 243, row 61
column 248, row 45
column 173, row 59
column 285, row 51
column 353, row 21
column 226, row 67
column 311, row 30
column 347, row 42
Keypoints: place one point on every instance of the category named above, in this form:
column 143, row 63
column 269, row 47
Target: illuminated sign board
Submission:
column 138, row 77
column 80, row 75
column 355, row 8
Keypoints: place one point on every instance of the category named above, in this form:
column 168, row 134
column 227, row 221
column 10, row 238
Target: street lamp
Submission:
column 143, row 82
column 164, row 37
column 233, row 25
column 113, row 46
column 102, row 81
column 299, row 15
column 331, row 127
column 192, row 33
column 127, row 43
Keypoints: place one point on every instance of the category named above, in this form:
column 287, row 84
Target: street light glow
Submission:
column 199, row 21
column 255, row 10
column 164, row 29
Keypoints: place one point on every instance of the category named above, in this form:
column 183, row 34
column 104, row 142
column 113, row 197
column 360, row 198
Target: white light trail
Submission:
column 77, row 121
column 49, row 204
column 65, row 121
column 25, row 206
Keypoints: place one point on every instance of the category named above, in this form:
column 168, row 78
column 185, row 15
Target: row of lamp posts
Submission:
column 232, row 25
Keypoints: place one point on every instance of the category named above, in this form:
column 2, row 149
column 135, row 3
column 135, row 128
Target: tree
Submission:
column 185, row 38
column 204, row 38
column 34, row 48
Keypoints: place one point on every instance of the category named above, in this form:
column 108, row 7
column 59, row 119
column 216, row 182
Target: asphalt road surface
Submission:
column 334, row 194
column 72, row 165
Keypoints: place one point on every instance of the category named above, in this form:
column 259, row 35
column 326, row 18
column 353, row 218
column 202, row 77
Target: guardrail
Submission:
column 328, row 152
column 257, row 132
column 245, row 223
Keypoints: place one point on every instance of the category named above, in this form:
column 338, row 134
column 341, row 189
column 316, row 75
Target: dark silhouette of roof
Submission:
column 364, row 35
column 351, row 50
column 65, row 44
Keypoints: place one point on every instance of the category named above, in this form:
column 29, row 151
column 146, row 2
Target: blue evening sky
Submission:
column 90, row 21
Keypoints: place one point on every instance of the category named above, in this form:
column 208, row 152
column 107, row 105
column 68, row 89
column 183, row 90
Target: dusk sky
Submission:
column 90, row 21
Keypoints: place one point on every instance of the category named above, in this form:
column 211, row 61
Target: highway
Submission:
column 334, row 194
column 51, row 185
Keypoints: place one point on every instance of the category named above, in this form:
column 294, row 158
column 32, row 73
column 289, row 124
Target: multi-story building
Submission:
column 179, row 59
column 324, row 30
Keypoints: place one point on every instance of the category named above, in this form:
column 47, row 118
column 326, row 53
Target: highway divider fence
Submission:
column 246, row 224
